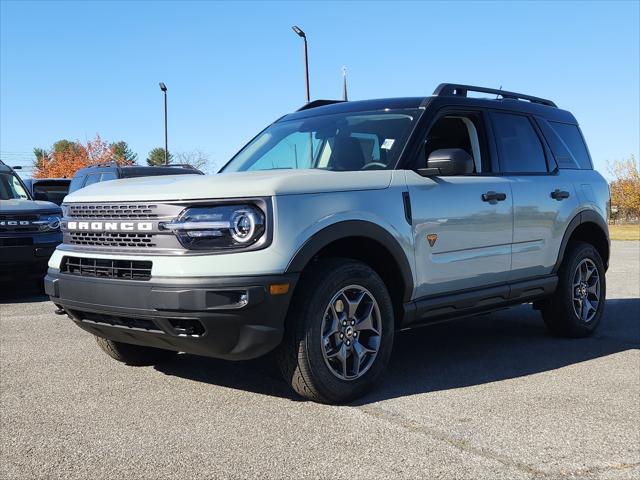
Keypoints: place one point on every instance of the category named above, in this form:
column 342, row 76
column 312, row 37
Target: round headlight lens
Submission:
column 243, row 225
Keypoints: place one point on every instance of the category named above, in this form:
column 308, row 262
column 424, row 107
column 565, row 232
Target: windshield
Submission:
column 11, row 188
column 339, row 142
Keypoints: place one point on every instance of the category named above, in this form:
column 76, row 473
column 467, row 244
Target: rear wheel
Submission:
column 134, row 354
column 339, row 332
column 577, row 305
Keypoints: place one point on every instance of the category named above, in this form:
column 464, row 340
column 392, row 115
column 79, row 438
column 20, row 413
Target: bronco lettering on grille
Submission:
column 110, row 226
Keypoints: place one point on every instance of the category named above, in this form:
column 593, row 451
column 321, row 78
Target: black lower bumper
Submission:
column 234, row 318
column 29, row 259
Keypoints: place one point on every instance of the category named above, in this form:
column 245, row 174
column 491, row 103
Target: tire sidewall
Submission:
column 580, row 252
column 351, row 273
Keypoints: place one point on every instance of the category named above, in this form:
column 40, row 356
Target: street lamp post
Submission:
column 302, row 35
column 163, row 87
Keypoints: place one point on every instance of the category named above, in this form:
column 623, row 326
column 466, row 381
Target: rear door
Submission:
column 462, row 231
column 544, row 198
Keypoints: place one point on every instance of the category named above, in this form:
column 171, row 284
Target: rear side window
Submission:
column 572, row 139
column 518, row 144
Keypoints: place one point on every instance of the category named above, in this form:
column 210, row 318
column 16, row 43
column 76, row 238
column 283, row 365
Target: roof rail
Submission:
column 318, row 103
column 455, row 90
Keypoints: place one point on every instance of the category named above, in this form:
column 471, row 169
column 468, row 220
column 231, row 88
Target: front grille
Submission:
column 107, row 268
column 114, row 210
column 110, row 239
column 6, row 228
column 117, row 321
column 100, row 227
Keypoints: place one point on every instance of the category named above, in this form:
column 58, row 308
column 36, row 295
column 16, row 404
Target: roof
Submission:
column 444, row 94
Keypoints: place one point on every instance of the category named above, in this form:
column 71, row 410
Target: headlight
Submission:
column 220, row 227
column 48, row 223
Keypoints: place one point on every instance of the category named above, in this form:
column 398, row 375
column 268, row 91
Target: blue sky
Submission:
column 71, row 69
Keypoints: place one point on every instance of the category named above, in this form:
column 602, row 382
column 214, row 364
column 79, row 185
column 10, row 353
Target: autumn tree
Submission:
column 41, row 155
column 65, row 157
column 156, row 157
column 123, row 153
column 625, row 187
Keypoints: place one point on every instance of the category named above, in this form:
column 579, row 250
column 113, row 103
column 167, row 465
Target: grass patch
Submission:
column 624, row 232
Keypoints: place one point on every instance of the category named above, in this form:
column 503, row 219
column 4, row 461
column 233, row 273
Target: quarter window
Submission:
column 519, row 146
column 573, row 141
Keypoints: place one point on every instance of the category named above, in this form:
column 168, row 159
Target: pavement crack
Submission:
column 458, row 443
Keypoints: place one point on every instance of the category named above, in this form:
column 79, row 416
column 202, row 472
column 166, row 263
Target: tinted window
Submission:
column 108, row 176
column 573, row 141
column 50, row 191
column 519, row 146
column 76, row 183
column 11, row 188
column 91, row 179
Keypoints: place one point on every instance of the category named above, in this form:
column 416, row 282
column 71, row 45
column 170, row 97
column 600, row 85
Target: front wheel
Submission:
column 339, row 332
column 576, row 307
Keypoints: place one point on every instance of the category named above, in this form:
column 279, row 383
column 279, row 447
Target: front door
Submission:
column 462, row 225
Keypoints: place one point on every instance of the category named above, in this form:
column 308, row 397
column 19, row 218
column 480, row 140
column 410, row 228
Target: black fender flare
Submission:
column 354, row 228
column 585, row 216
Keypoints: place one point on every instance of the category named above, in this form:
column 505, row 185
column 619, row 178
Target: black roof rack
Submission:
column 455, row 90
column 318, row 103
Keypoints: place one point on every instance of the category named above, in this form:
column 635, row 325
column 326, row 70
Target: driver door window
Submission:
column 462, row 131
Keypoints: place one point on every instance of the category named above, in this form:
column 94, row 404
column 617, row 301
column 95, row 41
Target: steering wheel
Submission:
column 373, row 165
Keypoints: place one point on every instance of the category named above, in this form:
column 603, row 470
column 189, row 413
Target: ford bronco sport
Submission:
column 338, row 225
column 29, row 229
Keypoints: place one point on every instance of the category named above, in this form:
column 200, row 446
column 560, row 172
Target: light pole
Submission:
column 163, row 87
column 301, row 34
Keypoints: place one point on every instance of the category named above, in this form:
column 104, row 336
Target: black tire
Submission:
column 135, row 355
column 301, row 358
column 559, row 313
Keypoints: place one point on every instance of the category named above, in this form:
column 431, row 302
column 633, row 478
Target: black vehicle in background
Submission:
column 29, row 229
column 48, row 189
column 111, row 171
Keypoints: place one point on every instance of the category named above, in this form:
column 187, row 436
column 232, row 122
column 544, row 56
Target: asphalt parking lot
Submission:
column 489, row 397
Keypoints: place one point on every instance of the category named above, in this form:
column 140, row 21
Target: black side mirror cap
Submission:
column 447, row 162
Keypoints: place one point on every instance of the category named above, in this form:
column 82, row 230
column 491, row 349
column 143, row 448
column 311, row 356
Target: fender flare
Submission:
column 585, row 216
column 354, row 228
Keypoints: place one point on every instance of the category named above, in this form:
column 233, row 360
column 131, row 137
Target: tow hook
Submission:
column 60, row 311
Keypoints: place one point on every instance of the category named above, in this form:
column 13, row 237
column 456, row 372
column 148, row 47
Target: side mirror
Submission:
column 41, row 196
column 447, row 162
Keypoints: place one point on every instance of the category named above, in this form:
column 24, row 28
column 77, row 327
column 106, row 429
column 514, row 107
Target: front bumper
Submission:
column 234, row 318
column 26, row 254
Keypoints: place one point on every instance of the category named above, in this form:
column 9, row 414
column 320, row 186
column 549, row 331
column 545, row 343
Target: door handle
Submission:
column 494, row 196
column 559, row 194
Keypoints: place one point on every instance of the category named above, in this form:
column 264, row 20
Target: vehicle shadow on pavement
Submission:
column 501, row 345
column 22, row 290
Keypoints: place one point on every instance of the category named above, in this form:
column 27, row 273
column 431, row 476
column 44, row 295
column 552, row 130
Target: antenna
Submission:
column 344, row 83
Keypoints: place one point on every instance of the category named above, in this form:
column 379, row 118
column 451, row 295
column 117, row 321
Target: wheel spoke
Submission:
column 586, row 309
column 352, row 305
column 334, row 326
column 366, row 324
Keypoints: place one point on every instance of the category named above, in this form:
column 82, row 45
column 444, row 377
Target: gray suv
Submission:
column 338, row 225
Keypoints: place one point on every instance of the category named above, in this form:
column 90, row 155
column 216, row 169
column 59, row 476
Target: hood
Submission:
column 231, row 185
column 19, row 206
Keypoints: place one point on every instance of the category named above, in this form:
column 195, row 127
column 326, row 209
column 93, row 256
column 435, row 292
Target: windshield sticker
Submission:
column 388, row 143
